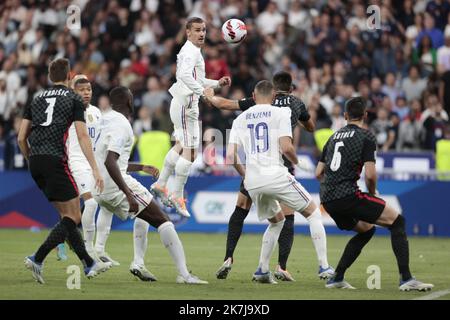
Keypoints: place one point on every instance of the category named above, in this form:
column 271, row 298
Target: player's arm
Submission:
column 86, row 146
column 114, row 171
column 223, row 103
column 309, row 125
column 134, row 167
column 370, row 176
column 369, row 158
column 233, row 158
column 185, row 70
column 320, row 170
column 24, row 132
column 304, row 116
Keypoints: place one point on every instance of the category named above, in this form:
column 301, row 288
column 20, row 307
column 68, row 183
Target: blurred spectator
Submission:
column 269, row 20
column 143, row 123
column 103, row 103
column 390, row 87
column 155, row 96
column 337, row 119
column 13, row 158
column 436, row 35
column 383, row 130
column 425, row 55
column 401, row 108
column 443, row 56
column 413, row 85
column 410, row 132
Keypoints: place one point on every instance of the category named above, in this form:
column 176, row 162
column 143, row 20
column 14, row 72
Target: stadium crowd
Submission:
column 401, row 68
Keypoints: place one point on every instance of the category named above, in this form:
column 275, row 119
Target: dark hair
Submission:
column 355, row 108
column 282, row 81
column 264, row 88
column 193, row 20
column 58, row 70
column 81, row 81
column 119, row 96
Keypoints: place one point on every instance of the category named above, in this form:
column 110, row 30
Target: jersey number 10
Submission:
column 258, row 133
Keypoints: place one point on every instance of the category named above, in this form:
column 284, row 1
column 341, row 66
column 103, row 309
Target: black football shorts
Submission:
column 346, row 212
column 53, row 177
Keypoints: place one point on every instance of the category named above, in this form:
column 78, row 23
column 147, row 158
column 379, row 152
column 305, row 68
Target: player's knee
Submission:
column 367, row 235
column 399, row 225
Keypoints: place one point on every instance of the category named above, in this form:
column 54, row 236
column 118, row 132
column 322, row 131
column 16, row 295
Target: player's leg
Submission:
column 296, row 197
column 189, row 137
column 285, row 242
column 140, row 240
column 352, row 250
column 395, row 222
column 159, row 188
column 267, row 208
column 103, row 226
column 235, row 225
column 169, row 237
column 88, row 222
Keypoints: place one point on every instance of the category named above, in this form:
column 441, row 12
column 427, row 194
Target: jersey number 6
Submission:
column 337, row 157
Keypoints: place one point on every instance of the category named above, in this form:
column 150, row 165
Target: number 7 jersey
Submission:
column 258, row 130
column 344, row 155
column 51, row 114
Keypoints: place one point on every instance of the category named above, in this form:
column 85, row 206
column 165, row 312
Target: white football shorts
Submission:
column 117, row 202
column 286, row 190
column 186, row 126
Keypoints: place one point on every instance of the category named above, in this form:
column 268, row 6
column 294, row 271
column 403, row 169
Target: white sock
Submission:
column 181, row 175
column 169, row 238
column 104, row 221
column 169, row 165
column 269, row 242
column 140, row 231
column 319, row 237
column 88, row 223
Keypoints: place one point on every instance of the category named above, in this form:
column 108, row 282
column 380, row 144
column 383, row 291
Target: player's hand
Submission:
column 154, row 172
column 99, row 182
column 225, row 81
column 208, row 93
column 134, row 206
column 305, row 166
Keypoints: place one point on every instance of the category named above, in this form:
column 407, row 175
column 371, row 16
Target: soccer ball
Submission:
column 234, row 31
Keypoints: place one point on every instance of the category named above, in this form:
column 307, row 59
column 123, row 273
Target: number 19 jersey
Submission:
column 258, row 130
column 344, row 155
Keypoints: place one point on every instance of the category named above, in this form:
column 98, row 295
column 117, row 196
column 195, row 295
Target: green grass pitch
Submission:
column 430, row 260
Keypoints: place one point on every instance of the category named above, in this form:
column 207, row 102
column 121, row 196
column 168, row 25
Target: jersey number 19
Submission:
column 258, row 133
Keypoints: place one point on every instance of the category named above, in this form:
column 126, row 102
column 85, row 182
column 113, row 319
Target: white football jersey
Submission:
column 116, row 134
column 190, row 73
column 76, row 155
column 258, row 130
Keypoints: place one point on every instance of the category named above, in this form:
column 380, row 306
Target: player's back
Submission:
column 51, row 114
column 344, row 155
column 258, row 130
column 298, row 108
column 116, row 135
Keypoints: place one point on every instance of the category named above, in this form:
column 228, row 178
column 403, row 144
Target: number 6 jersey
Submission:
column 258, row 130
column 51, row 114
column 344, row 155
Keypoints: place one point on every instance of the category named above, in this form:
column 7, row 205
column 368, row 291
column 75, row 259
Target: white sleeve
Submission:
column 284, row 125
column 116, row 140
column 211, row 83
column 185, row 69
column 234, row 134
